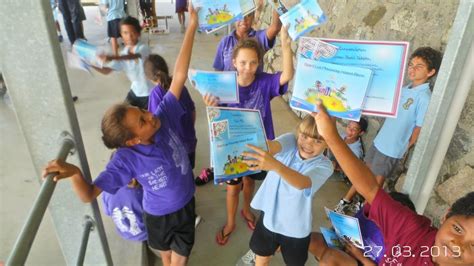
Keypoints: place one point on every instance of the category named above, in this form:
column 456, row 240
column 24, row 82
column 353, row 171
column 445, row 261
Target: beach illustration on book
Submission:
column 331, row 238
column 231, row 129
column 346, row 227
column 215, row 13
column 303, row 18
column 341, row 88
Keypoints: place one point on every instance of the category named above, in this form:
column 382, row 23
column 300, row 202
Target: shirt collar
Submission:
column 420, row 87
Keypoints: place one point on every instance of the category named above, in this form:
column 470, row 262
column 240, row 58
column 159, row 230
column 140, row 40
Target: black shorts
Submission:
column 258, row 176
column 174, row 231
column 192, row 159
column 113, row 28
column 265, row 242
column 140, row 102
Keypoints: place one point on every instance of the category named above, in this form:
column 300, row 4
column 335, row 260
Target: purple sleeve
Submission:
column 266, row 44
column 171, row 110
column 156, row 96
column 116, row 175
column 274, row 86
column 187, row 101
column 219, row 59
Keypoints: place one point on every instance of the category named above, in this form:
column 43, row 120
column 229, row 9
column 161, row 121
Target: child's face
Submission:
column 244, row 25
column 418, row 72
column 142, row 124
column 246, row 62
column 309, row 147
column 455, row 239
column 129, row 35
column 353, row 131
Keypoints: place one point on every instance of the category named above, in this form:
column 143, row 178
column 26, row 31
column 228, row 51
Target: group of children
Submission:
column 155, row 143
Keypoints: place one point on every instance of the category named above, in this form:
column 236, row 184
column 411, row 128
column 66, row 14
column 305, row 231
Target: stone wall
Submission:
column 422, row 23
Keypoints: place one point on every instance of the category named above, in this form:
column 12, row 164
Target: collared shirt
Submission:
column 115, row 9
column 394, row 136
column 288, row 209
column 223, row 59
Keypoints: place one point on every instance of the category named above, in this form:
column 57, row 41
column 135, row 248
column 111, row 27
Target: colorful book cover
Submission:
column 215, row 13
column 346, row 227
column 313, row 48
column 87, row 52
column 230, row 130
column 331, row 238
column 387, row 60
column 303, row 18
column 222, row 84
column 247, row 7
column 342, row 89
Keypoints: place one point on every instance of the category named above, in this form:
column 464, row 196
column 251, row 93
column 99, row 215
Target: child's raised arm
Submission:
column 288, row 70
column 85, row 191
column 263, row 160
column 360, row 175
column 181, row 66
column 274, row 28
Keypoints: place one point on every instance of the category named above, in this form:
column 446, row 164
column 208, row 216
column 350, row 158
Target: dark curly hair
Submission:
column 431, row 57
column 129, row 20
column 248, row 43
column 404, row 199
column 157, row 70
column 114, row 132
column 463, row 206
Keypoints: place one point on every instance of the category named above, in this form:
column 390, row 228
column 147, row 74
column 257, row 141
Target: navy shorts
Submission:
column 173, row 231
column 113, row 28
column 265, row 242
column 134, row 100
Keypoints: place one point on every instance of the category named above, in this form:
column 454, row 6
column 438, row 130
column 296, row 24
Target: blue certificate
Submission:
column 230, row 129
column 222, row 84
column 341, row 88
column 303, row 18
column 387, row 60
column 215, row 13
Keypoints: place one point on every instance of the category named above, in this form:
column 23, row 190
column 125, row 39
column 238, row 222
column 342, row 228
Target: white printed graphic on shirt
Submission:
column 156, row 178
column 178, row 152
column 119, row 215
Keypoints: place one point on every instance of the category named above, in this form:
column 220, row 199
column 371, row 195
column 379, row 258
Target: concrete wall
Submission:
column 422, row 23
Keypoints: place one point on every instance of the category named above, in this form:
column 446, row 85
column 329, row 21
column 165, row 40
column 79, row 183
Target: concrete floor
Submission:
column 18, row 185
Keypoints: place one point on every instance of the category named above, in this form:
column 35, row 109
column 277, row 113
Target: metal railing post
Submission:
column 88, row 227
column 23, row 244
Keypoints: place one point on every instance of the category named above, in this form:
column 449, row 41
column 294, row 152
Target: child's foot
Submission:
column 223, row 235
column 341, row 207
column 247, row 260
column 249, row 219
column 204, row 177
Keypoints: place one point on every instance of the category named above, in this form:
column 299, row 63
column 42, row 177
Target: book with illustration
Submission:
column 221, row 84
column 230, row 130
column 216, row 13
column 247, row 7
column 314, row 48
column 341, row 89
column 345, row 227
column 303, row 18
column 87, row 53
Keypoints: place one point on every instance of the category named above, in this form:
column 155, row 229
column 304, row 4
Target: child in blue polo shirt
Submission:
column 399, row 134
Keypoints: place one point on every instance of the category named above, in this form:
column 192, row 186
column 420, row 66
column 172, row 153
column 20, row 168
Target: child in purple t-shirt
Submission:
column 409, row 238
column 150, row 150
column 156, row 70
column 256, row 90
column 243, row 30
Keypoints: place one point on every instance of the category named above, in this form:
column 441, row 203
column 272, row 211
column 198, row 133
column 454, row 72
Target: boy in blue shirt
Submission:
column 399, row 134
column 115, row 13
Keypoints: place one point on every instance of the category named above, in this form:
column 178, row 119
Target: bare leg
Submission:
column 249, row 187
column 380, row 180
column 350, row 194
column 178, row 260
column 262, row 261
column 114, row 43
column 328, row 256
column 232, row 202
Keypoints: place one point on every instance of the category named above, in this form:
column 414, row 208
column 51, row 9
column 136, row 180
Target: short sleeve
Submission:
column 421, row 110
column 156, row 96
column 171, row 110
column 262, row 38
column 275, row 88
column 219, row 59
column 143, row 50
column 318, row 175
column 115, row 176
column 287, row 142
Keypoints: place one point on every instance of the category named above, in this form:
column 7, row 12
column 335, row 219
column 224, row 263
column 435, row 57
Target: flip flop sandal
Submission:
column 250, row 223
column 221, row 238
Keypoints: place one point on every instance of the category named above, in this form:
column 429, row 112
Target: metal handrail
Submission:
column 88, row 227
column 23, row 244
